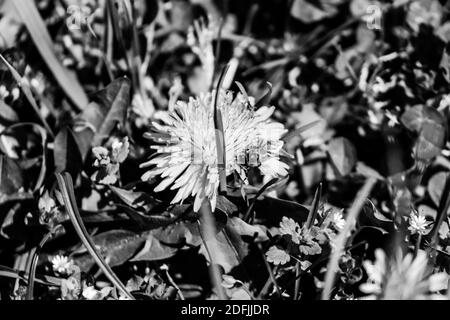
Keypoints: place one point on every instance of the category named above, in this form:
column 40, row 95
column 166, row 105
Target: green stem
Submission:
column 180, row 294
column 297, row 280
column 208, row 231
column 333, row 264
column 260, row 192
column 271, row 275
column 443, row 208
column 34, row 261
column 417, row 248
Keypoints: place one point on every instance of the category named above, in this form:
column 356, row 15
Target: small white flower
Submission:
column 62, row 264
column 418, row 224
column 337, row 220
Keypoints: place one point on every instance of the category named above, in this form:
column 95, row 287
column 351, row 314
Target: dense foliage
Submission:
column 263, row 149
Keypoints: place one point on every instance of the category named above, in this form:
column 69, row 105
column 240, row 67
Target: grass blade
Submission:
column 208, row 231
column 25, row 87
column 14, row 274
column 300, row 130
column 30, row 16
column 220, row 138
column 314, row 207
column 66, row 186
column 333, row 264
column 34, row 261
column 271, row 278
column 444, row 205
column 116, row 31
column 260, row 192
column 265, row 99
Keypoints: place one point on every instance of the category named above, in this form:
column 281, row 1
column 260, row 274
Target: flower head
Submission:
column 186, row 157
column 402, row 278
column 337, row 220
column 62, row 265
column 418, row 224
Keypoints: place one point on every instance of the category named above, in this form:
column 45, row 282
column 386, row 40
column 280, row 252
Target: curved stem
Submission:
column 33, row 265
column 66, row 186
column 169, row 277
column 343, row 235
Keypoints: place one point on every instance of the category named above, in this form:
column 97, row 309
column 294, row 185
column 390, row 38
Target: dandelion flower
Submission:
column 62, row 264
column 186, row 156
column 418, row 224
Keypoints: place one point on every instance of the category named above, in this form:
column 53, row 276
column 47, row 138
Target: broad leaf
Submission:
column 436, row 186
column 7, row 113
column 11, row 176
column 107, row 110
column 225, row 205
column 153, row 250
column 135, row 199
column 179, row 234
column 117, row 246
column 431, row 127
column 258, row 232
column 367, row 171
column 187, row 232
column 311, row 11
column 156, row 220
column 342, row 154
